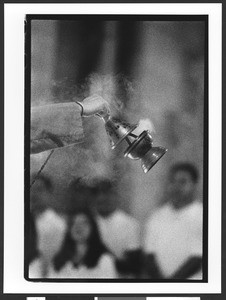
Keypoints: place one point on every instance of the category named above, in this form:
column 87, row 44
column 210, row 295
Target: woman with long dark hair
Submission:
column 83, row 255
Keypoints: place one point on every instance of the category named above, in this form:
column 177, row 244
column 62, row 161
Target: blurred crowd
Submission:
column 97, row 239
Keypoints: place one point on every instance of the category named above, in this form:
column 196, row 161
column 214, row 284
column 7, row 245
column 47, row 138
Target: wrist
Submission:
column 81, row 107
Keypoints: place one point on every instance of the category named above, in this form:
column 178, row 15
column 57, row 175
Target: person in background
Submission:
column 83, row 255
column 173, row 238
column 47, row 229
column 120, row 232
column 79, row 194
column 52, row 126
column 58, row 125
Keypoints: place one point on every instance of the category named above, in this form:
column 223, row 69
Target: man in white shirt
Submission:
column 47, row 228
column 119, row 231
column 173, row 235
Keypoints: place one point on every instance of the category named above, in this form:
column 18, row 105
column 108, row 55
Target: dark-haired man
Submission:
column 173, row 238
column 47, row 228
column 119, row 230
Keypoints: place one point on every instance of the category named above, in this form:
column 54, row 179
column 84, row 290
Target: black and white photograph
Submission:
column 117, row 121
column 115, row 181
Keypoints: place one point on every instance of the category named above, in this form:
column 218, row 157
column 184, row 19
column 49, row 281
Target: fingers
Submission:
column 95, row 104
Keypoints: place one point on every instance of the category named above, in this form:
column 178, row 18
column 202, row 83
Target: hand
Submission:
column 94, row 105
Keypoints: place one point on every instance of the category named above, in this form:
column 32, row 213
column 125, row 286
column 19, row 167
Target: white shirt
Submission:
column 174, row 235
column 51, row 229
column 119, row 232
column 104, row 269
column 36, row 268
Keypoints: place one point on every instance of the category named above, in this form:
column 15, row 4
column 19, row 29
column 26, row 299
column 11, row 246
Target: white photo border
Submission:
column 13, row 273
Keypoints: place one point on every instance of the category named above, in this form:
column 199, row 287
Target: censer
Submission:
column 139, row 146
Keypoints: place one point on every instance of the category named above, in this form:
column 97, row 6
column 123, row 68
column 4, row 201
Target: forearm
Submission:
column 55, row 125
column 190, row 267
